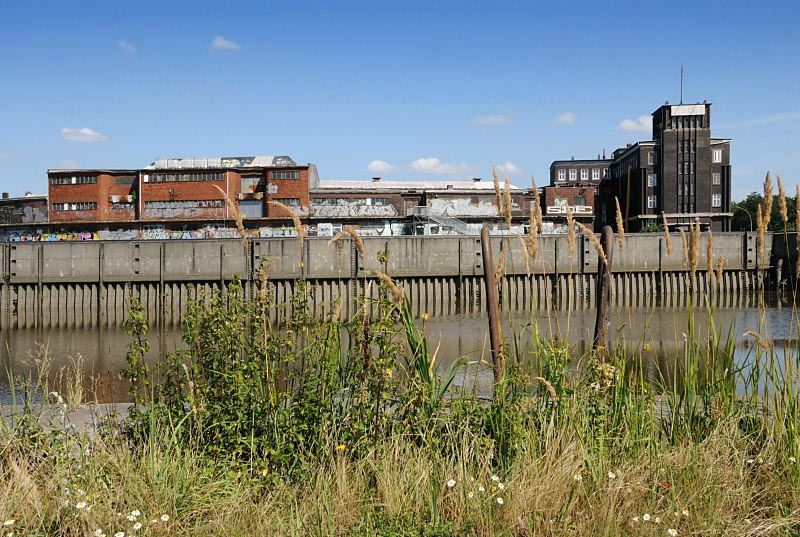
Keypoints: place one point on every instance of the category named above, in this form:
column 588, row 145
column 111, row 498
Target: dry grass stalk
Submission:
column 525, row 253
column 570, row 232
column 236, row 214
column 720, row 266
column 394, row 289
column 507, row 203
column 350, row 231
column 694, row 247
column 709, row 253
column 620, row 224
column 298, row 227
column 595, row 242
column 760, row 340
column 549, row 387
column 768, row 199
column 263, row 279
column 500, row 268
column 782, row 202
column 685, row 247
column 497, row 194
column 761, row 232
column 667, row 238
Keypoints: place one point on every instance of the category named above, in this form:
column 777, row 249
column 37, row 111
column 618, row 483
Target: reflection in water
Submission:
column 659, row 331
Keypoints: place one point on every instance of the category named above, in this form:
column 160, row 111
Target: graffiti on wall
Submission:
column 208, row 232
column 464, row 207
column 352, row 210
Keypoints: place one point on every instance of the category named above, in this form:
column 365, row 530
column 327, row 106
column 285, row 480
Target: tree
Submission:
column 741, row 220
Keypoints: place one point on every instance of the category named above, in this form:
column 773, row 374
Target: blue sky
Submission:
column 428, row 90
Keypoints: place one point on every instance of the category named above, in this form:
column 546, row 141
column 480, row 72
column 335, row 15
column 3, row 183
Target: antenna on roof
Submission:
column 681, row 83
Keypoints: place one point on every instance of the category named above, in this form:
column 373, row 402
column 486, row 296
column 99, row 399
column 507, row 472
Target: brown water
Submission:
column 662, row 330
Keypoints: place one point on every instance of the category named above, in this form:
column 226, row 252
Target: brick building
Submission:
column 180, row 193
column 579, row 172
column 682, row 174
column 555, row 200
column 28, row 209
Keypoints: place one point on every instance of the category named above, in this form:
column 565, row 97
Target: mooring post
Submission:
column 495, row 332
column 603, row 284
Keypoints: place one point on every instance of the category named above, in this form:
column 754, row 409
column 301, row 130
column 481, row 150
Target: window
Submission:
column 74, row 180
column 716, row 178
column 651, row 202
column 578, row 201
column 252, row 208
column 651, row 158
column 288, row 174
column 291, row 202
column 188, row 176
column 77, row 206
column 250, row 182
column 562, row 175
column 573, row 174
column 584, row 174
column 717, row 155
column 124, row 180
column 605, row 173
column 184, row 204
column 716, row 200
column 595, row 174
column 680, row 189
column 680, row 168
column 652, row 179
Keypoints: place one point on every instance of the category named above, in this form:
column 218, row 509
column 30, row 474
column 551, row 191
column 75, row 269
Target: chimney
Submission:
column 376, row 179
column 598, row 156
column 449, row 187
column 5, row 195
column 628, row 146
column 573, row 157
column 476, row 179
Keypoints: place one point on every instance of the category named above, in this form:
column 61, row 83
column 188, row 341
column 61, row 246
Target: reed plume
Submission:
column 236, row 214
column 497, row 194
column 667, row 238
column 595, row 242
column 720, row 266
column 768, row 199
column 570, row 232
column 395, row 290
column 533, row 225
column 525, row 254
column 350, row 231
column 782, row 202
column 694, row 247
column 501, row 263
column 685, row 246
column 709, row 253
column 760, row 232
column 620, row 224
column 263, row 279
column 760, row 340
column 298, row 227
column 507, row 203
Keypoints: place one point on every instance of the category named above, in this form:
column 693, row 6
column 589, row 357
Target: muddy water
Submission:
column 659, row 331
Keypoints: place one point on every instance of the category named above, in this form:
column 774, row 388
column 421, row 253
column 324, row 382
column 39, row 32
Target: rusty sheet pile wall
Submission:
column 89, row 284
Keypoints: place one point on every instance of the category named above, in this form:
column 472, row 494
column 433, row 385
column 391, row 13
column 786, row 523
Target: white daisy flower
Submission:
column 164, row 518
column 673, row 532
column 611, row 475
column 81, row 505
column 137, row 526
column 646, row 517
column 451, row 483
column 500, row 501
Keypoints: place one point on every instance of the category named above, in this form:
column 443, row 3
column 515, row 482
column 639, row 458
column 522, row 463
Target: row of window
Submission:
column 286, row 174
column 77, row 206
column 716, row 201
column 573, row 174
column 74, row 180
column 687, row 122
column 291, row 202
column 188, row 176
column 184, row 204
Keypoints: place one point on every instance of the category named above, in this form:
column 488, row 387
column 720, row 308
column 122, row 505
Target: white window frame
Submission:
column 562, row 175
column 652, row 180
column 595, row 174
column 584, row 174
column 651, row 158
column 573, row 174
column 716, row 178
column 652, row 202
column 716, row 200
column 716, row 156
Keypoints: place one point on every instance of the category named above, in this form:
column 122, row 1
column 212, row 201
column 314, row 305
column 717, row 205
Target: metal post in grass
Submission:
column 603, row 285
column 490, row 281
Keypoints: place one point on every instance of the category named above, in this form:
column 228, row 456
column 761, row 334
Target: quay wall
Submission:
column 89, row 284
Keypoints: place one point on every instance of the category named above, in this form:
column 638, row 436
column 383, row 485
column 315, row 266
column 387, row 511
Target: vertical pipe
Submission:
column 603, row 283
column 495, row 335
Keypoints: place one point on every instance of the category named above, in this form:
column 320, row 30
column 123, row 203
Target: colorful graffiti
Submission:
column 209, row 232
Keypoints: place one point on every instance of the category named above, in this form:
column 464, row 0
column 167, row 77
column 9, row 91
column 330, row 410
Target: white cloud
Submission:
column 379, row 166
column 68, row 165
column 127, row 47
column 643, row 124
column 82, row 135
column 434, row 165
column 567, row 118
column 494, row 120
column 4, row 156
column 507, row 168
column 220, row 43
column 765, row 120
